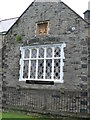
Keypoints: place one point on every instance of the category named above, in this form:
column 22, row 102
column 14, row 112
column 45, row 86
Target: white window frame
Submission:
column 62, row 57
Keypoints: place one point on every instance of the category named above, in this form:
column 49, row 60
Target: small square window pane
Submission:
column 49, row 52
column 34, row 53
column 48, row 69
column 33, row 69
column 57, row 69
column 26, row 53
column 41, row 53
column 57, row 52
column 40, row 69
column 25, row 68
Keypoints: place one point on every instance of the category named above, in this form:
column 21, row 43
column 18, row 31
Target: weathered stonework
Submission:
column 0, row 73
column 62, row 20
column 64, row 26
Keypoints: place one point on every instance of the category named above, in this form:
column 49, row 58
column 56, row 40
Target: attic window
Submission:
column 42, row 63
column 42, row 28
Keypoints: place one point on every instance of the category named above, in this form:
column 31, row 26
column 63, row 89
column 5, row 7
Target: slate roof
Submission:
column 6, row 24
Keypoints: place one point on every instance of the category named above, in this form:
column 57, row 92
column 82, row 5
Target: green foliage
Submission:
column 18, row 38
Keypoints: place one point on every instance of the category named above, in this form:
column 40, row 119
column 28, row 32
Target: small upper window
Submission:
column 42, row 28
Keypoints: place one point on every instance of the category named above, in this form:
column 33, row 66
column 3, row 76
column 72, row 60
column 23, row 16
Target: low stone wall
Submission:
column 46, row 101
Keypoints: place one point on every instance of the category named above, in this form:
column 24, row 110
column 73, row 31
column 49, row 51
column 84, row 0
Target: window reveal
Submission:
column 42, row 63
column 42, row 28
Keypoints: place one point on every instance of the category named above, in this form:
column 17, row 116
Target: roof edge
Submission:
column 8, row 19
column 74, row 12
column 86, row 11
column 20, row 16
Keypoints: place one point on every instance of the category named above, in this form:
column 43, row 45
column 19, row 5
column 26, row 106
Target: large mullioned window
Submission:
column 42, row 63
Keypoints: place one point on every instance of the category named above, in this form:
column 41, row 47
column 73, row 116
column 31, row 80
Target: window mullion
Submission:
column 37, row 64
column 23, row 56
column 61, row 64
column 52, row 63
column 29, row 65
column 44, row 63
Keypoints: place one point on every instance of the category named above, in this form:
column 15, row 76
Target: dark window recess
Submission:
column 88, row 41
column 83, row 94
column 89, row 61
column 83, row 102
column 56, row 96
column 84, row 52
column 84, row 65
column 40, row 82
column 84, row 78
column 83, row 58
column 88, row 90
column 83, row 110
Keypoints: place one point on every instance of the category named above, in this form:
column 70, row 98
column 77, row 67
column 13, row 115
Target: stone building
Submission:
column 46, row 60
column 5, row 25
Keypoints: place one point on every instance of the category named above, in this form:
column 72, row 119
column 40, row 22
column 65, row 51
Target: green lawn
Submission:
column 19, row 116
column 15, row 115
column 0, row 115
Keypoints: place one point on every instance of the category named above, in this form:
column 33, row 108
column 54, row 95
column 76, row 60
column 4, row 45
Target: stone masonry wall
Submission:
column 64, row 26
column 0, row 73
column 89, row 65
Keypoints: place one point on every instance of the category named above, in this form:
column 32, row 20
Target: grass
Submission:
column 19, row 116
column 14, row 115
column 0, row 116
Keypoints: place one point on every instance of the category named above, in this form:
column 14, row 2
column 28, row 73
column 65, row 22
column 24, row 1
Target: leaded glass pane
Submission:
column 57, row 69
column 40, row 69
column 34, row 53
column 41, row 53
column 57, row 52
column 33, row 69
column 49, row 52
column 48, row 69
column 26, row 53
column 25, row 68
